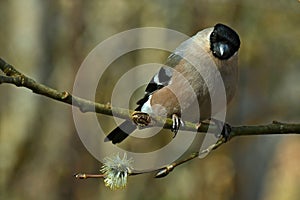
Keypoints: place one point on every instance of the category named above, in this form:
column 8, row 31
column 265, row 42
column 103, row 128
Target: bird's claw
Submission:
column 222, row 127
column 176, row 124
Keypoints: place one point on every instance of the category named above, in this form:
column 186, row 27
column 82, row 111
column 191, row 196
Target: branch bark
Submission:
column 13, row 76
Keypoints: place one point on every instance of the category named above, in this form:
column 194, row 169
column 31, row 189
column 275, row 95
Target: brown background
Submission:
column 47, row 40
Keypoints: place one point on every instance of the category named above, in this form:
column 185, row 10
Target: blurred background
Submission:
column 48, row 40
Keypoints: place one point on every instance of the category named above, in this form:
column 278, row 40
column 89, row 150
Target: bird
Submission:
column 217, row 45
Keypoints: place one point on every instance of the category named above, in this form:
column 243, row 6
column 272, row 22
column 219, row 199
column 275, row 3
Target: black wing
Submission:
column 160, row 79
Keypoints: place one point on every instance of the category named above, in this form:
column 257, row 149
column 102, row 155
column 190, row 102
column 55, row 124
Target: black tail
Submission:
column 121, row 132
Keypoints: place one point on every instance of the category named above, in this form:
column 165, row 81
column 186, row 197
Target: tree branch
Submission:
column 13, row 76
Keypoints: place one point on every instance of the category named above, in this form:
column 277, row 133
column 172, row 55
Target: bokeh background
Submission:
column 47, row 40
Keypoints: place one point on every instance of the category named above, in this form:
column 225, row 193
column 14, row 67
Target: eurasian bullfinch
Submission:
column 218, row 45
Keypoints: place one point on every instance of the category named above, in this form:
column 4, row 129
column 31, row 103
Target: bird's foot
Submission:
column 177, row 122
column 223, row 129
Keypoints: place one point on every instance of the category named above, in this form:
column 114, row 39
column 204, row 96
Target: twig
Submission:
column 13, row 76
column 85, row 176
column 20, row 80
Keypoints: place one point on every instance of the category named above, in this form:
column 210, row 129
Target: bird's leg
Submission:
column 176, row 124
column 222, row 127
column 142, row 120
